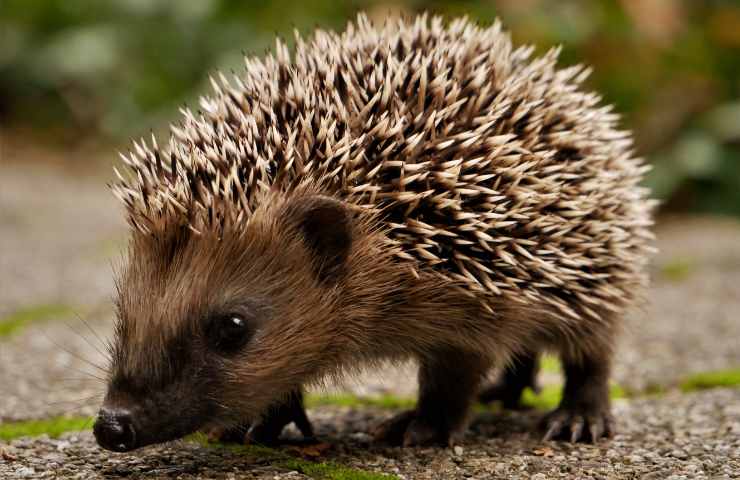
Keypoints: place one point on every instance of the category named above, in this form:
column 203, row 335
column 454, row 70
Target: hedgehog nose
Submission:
column 114, row 430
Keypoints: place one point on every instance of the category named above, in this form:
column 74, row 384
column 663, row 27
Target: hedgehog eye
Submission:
column 229, row 333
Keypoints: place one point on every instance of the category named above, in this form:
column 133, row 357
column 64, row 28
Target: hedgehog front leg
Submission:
column 584, row 412
column 267, row 430
column 448, row 382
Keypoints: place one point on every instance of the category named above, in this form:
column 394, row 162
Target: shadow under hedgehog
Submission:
column 417, row 190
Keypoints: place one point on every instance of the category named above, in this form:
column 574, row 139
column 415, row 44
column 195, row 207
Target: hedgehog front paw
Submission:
column 409, row 429
column 267, row 432
column 267, row 429
column 260, row 433
column 578, row 424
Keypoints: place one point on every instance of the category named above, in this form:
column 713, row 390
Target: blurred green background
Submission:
column 75, row 71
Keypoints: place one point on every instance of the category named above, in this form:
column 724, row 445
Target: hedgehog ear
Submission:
column 326, row 226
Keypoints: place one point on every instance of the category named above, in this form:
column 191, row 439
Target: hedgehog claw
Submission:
column 596, row 430
column 576, row 429
column 571, row 425
column 554, row 427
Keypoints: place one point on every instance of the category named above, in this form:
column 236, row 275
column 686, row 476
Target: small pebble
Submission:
column 361, row 437
column 26, row 472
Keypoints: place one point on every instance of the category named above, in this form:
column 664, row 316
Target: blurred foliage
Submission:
column 19, row 319
column 80, row 68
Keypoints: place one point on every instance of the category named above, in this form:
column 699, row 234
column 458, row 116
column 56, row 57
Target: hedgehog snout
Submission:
column 114, row 429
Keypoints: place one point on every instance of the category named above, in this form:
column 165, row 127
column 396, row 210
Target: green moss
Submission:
column 650, row 390
column 317, row 470
column 547, row 399
column 703, row 381
column 10, row 324
column 349, row 400
column 678, row 269
column 616, row 391
column 53, row 427
column 550, row 364
column 331, row 471
column 263, row 452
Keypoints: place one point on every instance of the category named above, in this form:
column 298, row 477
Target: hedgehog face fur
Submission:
column 385, row 192
column 231, row 315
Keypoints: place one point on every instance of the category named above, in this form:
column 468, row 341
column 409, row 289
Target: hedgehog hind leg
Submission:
column 520, row 374
column 448, row 382
column 584, row 413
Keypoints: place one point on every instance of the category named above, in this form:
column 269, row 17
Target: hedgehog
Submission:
column 421, row 190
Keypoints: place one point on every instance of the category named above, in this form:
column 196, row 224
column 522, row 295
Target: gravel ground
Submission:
column 690, row 436
column 59, row 236
column 59, row 232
